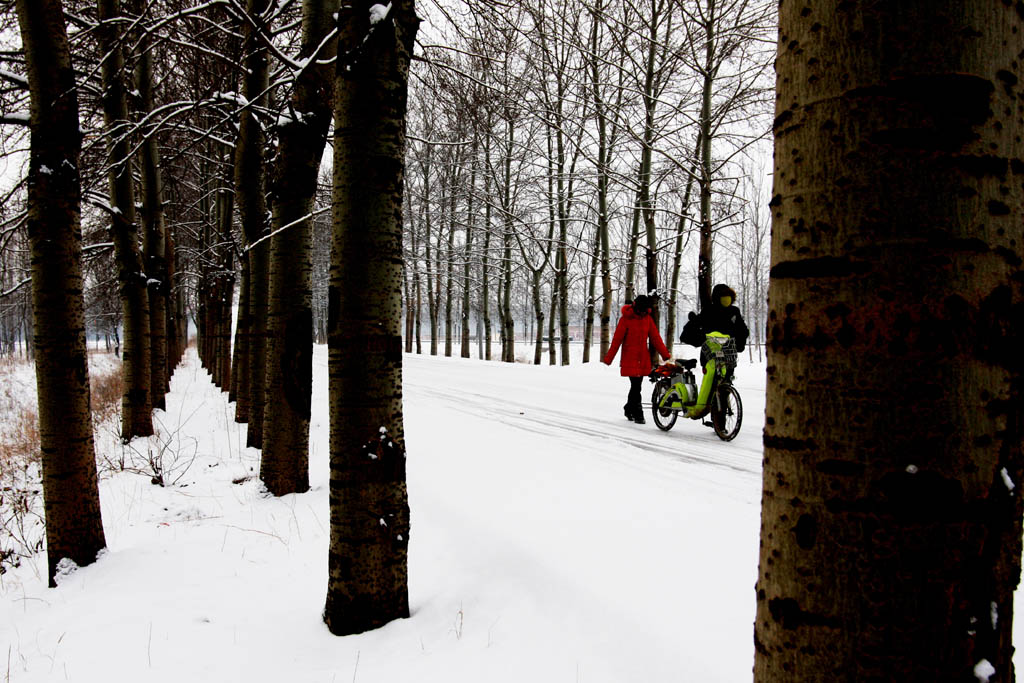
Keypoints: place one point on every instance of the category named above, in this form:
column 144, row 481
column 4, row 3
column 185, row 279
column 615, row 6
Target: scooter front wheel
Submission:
column 726, row 412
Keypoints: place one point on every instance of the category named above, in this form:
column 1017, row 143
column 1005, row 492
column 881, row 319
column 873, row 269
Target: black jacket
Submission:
column 716, row 318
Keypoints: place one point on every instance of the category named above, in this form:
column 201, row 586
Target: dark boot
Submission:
column 638, row 415
column 628, row 410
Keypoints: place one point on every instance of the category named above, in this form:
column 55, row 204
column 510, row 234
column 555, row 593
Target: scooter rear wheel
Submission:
column 664, row 418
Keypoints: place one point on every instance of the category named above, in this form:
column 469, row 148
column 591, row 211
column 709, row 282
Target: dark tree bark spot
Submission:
column 840, row 468
column 787, row 612
column 827, row 266
column 998, row 208
column 806, row 531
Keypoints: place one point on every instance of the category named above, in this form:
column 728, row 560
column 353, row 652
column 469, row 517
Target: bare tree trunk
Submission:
column 891, row 514
column 705, row 270
column 485, row 275
column 136, row 404
column 508, row 346
column 225, row 278
column 470, row 224
column 154, row 233
column 450, row 277
column 368, row 558
column 677, row 260
column 508, row 328
column 552, row 356
column 175, row 348
column 605, row 156
column 284, row 466
column 409, row 290
column 240, row 358
column 432, row 299
column 74, row 528
column 418, row 323
column 538, row 316
column 588, row 316
column 250, row 197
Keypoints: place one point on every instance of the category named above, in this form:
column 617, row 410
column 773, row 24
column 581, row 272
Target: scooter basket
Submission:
column 722, row 349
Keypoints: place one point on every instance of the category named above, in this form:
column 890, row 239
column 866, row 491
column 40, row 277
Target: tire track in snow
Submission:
column 622, row 444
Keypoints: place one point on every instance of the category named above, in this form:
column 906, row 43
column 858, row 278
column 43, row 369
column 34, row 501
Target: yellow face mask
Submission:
column 726, row 301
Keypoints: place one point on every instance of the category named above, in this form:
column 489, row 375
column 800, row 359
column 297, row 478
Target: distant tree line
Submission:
column 568, row 155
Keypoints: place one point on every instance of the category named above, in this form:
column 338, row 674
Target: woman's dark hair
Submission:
column 642, row 304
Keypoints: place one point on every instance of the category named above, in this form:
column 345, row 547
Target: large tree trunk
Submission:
column 891, row 514
column 250, row 197
column 136, row 404
column 154, row 233
column 74, row 528
column 368, row 557
column 284, row 467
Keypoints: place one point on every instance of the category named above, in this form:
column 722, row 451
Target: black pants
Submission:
column 633, row 399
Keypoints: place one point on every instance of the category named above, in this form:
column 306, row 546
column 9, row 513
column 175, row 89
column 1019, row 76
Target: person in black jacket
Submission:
column 721, row 316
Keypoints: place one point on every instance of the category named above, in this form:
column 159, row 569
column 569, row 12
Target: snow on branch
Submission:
column 379, row 13
column 14, row 78
column 15, row 288
column 15, row 118
column 285, row 227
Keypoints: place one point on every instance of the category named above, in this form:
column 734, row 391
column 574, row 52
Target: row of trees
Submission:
column 183, row 143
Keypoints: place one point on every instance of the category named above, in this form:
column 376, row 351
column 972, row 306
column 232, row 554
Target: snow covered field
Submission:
column 551, row 541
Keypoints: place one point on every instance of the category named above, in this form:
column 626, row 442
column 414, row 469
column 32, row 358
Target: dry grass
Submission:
column 106, row 390
column 19, row 438
column 21, row 504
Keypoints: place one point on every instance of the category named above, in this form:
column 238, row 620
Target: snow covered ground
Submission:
column 551, row 540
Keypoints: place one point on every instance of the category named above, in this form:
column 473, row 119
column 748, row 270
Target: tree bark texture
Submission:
column 284, row 465
column 136, row 404
column 891, row 512
column 74, row 528
column 368, row 556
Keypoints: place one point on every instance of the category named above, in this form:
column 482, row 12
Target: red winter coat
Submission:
column 632, row 334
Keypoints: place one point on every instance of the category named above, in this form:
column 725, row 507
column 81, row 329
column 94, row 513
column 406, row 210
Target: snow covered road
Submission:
column 644, row 542
column 551, row 540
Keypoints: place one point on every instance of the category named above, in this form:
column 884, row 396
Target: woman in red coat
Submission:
column 634, row 329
